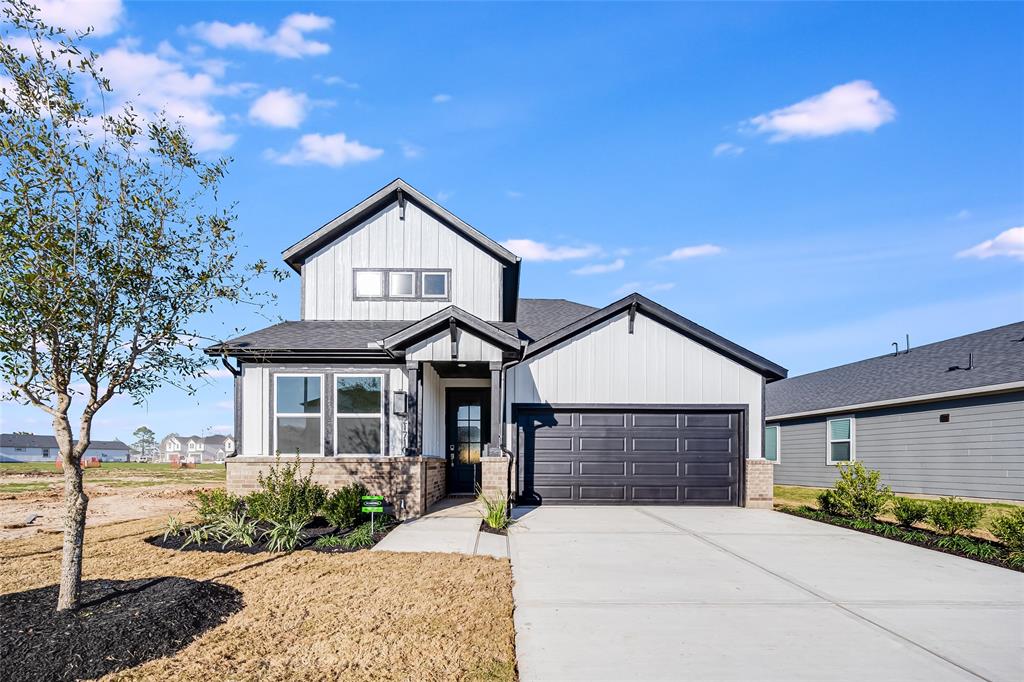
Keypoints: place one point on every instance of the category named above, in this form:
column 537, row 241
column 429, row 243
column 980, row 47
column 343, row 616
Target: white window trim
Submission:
column 369, row 297
column 356, row 415
column 852, row 441
column 447, row 284
column 392, row 273
column 308, row 415
column 778, row 443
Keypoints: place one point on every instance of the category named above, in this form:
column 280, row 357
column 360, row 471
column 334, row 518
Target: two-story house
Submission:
column 196, row 449
column 416, row 368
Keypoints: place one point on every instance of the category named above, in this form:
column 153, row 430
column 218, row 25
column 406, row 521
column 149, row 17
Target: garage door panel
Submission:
column 641, row 457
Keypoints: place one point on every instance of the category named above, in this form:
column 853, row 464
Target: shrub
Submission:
column 908, row 511
column 342, row 508
column 1009, row 528
column 953, row 516
column 215, row 504
column 828, row 502
column 858, row 492
column 361, row 536
column 329, row 541
column 235, row 528
column 283, row 495
column 284, row 535
column 196, row 535
column 174, row 527
column 495, row 510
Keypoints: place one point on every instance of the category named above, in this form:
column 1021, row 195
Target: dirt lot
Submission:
column 117, row 492
column 156, row 614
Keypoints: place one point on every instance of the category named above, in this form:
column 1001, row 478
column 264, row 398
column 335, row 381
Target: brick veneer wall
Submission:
column 411, row 484
column 494, row 477
column 760, row 482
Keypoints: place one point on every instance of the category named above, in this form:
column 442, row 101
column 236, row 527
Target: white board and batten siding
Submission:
column 433, row 399
column 438, row 348
column 654, row 365
column 258, row 411
column 384, row 241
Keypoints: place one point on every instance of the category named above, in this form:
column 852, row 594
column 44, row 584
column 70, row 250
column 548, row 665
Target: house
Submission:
column 416, row 368
column 196, row 449
column 942, row 419
column 27, row 447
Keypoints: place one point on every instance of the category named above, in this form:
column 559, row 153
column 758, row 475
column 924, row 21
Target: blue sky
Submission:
column 828, row 177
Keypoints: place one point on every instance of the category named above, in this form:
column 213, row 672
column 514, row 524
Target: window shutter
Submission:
column 840, row 429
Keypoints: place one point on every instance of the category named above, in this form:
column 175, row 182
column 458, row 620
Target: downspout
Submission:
column 503, row 373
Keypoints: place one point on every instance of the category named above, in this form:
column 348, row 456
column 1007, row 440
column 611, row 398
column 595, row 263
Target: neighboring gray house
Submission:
column 196, row 449
column 18, row 447
column 417, row 369
column 942, row 419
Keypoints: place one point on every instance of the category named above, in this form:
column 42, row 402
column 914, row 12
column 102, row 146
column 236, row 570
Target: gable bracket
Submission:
column 632, row 316
column 453, row 331
column 401, row 205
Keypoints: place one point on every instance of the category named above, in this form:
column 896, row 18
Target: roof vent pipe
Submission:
column 895, row 349
column 908, row 344
column 970, row 361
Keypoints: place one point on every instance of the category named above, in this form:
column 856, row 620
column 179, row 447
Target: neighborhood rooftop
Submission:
column 29, row 440
column 936, row 368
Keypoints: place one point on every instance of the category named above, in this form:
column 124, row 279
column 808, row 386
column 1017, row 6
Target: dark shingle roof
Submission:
column 998, row 359
column 539, row 317
column 22, row 440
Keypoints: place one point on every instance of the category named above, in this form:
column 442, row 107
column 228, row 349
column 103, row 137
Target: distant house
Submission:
column 941, row 419
column 18, row 447
column 198, row 449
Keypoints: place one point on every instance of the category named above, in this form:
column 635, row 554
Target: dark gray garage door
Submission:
column 607, row 456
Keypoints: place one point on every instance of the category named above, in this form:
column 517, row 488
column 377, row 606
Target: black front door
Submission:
column 468, row 432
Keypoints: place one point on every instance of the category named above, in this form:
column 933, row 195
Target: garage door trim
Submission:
column 741, row 409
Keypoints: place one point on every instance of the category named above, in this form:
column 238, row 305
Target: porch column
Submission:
column 412, row 411
column 493, row 448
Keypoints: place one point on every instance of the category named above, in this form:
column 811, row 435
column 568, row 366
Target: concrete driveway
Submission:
column 680, row 593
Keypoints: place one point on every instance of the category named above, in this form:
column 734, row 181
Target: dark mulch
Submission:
column 930, row 542
column 310, row 533
column 121, row 624
column 377, row 537
column 484, row 528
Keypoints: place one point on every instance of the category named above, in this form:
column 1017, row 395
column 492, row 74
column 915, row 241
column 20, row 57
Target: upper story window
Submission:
column 298, row 423
column 841, row 439
column 402, row 284
column 435, row 285
column 369, row 283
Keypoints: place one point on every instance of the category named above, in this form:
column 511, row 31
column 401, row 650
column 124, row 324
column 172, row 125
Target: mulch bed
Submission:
column 317, row 528
column 121, row 624
column 484, row 528
column 930, row 543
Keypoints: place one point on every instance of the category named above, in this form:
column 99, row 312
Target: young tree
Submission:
column 145, row 442
column 112, row 242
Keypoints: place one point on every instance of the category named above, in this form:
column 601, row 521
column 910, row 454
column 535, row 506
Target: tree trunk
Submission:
column 75, row 504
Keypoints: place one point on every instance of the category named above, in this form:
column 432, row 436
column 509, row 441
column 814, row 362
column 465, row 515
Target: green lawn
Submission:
column 40, row 475
column 799, row 496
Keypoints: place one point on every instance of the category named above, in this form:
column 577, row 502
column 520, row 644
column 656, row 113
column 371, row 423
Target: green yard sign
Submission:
column 373, row 504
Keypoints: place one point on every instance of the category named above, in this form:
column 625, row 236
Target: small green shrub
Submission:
column 329, row 541
column 174, row 527
column 495, row 510
column 215, row 504
column 361, row 536
column 236, row 528
column 196, row 535
column 283, row 495
column 342, row 508
column 284, row 535
column 954, row 516
column 828, row 502
column 858, row 492
column 908, row 511
column 1009, row 528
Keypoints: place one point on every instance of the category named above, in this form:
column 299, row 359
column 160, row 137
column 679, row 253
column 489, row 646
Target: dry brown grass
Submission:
column 311, row 616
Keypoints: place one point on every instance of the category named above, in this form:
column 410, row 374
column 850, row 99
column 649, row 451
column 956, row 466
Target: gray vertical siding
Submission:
column 978, row 453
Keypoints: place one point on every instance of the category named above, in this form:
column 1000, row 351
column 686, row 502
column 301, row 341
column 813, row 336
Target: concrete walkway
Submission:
column 680, row 593
column 450, row 527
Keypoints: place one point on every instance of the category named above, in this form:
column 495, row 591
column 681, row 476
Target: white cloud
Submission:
column 601, row 268
column 289, row 40
column 687, row 252
column 962, row 214
column 728, row 149
column 103, row 16
column 329, row 150
column 443, row 196
column 853, row 106
column 643, row 288
column 154, row 83
column 1008, row 243
column 410, row 150
column 513, row 194
column 281, row 108
column 441, row 98
column 338, row 80
column 527, row 249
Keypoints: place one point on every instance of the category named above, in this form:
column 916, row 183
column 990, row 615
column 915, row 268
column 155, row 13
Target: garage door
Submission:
column 607, row 456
